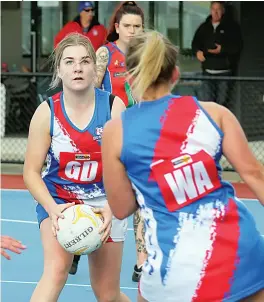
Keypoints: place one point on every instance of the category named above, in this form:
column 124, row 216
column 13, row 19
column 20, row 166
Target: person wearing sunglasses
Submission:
column 85, row 23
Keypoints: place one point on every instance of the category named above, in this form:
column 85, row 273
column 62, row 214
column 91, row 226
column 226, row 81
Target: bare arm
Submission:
column 239, row 154
column 37, row 147
column 118, row 107
column 102, row 57
column 120, row 194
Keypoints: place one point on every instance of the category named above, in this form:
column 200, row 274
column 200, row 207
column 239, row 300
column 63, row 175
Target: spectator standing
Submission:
column 85, row 23
column 217, row 44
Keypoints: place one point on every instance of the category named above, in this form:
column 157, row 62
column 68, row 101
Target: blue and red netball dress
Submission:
column 74, row 166
column 114, row 80
column 202, row 242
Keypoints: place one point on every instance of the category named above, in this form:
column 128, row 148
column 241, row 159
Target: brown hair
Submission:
column 127, row 7
column 150, row 60
column 73, row 39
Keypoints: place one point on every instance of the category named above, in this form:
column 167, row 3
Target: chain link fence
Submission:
column 244, row 96
column 22, row 93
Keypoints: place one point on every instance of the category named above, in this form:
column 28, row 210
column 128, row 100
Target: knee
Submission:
column 108, row 295
column 57, row 273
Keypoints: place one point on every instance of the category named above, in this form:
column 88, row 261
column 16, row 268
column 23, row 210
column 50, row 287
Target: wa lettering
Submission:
column 84, row 171
column 189, row 182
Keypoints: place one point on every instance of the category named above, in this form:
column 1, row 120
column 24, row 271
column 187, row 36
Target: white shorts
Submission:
column 119, row 227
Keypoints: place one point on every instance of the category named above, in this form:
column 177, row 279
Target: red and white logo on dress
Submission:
column 98, row 130
column 185, row 179
column 82, row 168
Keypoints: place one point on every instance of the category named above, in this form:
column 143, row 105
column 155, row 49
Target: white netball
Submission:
column 78, row 232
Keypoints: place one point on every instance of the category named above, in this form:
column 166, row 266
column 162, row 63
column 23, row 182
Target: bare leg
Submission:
column 57, row 263
column 139, row 232
column 139, row 236
column 105, row 268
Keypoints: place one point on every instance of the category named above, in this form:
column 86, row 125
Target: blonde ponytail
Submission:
column 151, row 54
column 150, row 59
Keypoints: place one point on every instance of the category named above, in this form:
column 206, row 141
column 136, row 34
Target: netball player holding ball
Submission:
column 67, row 129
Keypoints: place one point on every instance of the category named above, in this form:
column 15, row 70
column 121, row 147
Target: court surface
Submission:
column 21, row 274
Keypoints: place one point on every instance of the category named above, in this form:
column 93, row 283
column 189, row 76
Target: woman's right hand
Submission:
column 55, row 212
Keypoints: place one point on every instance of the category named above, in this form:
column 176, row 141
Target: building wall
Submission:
column 11, row 38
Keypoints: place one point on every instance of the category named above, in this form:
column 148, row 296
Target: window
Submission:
column 166, row 19
column 194, row 13
column 51, row 23
column 26, row 27
column 48, row 16
column 105, row 11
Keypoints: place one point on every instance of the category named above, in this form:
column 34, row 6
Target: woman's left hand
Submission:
column 107, row 221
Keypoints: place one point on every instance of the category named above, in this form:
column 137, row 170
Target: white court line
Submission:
column 33, row 222
column 67, row 284
column 248, row 199
column 19, row 221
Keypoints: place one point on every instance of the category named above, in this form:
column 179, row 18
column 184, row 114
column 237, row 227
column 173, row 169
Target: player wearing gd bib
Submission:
column 74, row 169
column 202, row 242
column 69, row 132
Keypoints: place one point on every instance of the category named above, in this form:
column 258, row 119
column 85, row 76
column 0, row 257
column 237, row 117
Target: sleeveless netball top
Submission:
column 114, row 80
column 201, row 240
column 74, row 167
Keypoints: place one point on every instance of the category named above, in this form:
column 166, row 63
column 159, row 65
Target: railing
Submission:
column 244, row 96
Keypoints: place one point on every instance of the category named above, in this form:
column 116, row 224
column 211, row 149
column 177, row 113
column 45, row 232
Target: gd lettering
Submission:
column 80, row 171
column 84, row 172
